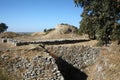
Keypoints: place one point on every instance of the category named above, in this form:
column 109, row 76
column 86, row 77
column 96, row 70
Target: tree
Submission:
column 102, row 15
column 3, row 27
column 116, row 33
column 87, row 27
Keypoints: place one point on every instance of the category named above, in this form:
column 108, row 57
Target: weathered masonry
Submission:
column 48, row 42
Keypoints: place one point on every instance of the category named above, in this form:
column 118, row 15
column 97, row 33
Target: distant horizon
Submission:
column 37, row 15
column 33, row 31
column 39, row 31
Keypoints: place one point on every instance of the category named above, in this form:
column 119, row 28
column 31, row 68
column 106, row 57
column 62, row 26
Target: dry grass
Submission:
column 38, row 34
column 107, row 66
column 60, row 32
column 28, row 53
column 9, row 34
column 4, row 75
column 55, row 35
column 65, row 29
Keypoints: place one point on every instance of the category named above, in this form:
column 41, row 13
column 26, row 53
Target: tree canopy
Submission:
column 3, row 27
column 101, row 18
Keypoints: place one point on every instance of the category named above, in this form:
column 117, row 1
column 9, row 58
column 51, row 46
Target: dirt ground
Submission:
column 42, row 36
column 109, row 58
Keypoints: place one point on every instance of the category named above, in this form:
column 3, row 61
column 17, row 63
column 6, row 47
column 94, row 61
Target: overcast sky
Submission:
column 37, row 15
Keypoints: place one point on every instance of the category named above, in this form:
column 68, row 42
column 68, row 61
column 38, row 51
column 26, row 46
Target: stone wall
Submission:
column 62, row 62
column 78, row 56
column 50, row 62
column 48, row 42
column 38, row 67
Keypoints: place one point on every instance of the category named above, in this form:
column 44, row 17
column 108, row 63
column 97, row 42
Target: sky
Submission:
column 37, row 15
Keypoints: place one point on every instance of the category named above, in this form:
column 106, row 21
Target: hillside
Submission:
column 81, row 60
column 107, row 66
column 61, row 31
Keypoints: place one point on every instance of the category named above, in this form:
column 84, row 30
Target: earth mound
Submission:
column 62, row 31
column 38, row 34
column 9, row 35
column 65, row 29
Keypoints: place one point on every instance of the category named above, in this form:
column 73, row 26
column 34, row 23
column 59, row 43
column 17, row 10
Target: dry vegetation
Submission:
column 60, row 32
column 107, row 66
column 9, row 35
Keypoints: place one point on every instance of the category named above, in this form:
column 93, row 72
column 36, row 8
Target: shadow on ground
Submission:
column 69, row 72
column 63, row 42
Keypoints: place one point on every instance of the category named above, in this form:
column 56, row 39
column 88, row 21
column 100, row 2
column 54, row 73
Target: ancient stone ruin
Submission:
column 48, row 42
column 49, row 63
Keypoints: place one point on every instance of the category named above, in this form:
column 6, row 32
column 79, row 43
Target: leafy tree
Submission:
column 87, row 27
column 3, row 27
column 48, row 30
column 45, row 30
column 116, row 33
column 100, row 18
